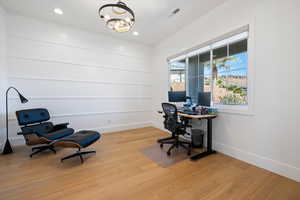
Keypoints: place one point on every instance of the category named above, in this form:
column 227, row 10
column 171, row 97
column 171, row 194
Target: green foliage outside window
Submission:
column 236, row 95
column 232, row 99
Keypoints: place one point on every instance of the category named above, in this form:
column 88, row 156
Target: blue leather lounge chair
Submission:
column 37, row 130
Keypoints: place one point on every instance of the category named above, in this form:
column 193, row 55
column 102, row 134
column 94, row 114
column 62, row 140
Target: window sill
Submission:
column 235, row 110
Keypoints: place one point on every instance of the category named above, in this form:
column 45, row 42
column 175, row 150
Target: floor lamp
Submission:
column 7, row 147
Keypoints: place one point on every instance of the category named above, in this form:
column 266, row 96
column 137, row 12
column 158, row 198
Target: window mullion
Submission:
column 211, row 76
column 187, row 76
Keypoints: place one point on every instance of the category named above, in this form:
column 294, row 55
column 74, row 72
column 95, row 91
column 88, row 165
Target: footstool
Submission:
column 80, row 140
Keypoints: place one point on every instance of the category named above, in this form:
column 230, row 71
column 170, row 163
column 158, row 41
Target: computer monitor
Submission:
column 204, row 99
column 178, row 96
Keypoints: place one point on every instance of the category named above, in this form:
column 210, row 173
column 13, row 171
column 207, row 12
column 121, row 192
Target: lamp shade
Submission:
column 22, row 98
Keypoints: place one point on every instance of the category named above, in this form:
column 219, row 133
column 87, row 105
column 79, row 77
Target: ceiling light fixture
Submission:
column 135, row 33
column 58, row 11
column 118, row 17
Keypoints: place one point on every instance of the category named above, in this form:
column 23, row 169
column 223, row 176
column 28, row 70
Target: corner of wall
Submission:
column 3, row 69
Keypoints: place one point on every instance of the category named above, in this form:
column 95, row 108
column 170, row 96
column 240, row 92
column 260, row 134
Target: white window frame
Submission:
column 234, row 36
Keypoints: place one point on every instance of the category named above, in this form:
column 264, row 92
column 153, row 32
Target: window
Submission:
column 229, row 73
column 220, row 68
column 177, row 75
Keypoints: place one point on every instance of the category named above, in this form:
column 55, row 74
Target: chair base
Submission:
column 40, row 149
column 78, row 153
column 166, row 139
column 176, row 143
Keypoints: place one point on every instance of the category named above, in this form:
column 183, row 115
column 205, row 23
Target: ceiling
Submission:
column 153, row 20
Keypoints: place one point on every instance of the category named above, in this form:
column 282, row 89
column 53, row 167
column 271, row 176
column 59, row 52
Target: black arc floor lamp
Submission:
column 7, row 147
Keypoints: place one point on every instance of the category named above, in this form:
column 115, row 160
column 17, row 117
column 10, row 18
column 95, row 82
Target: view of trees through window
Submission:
column 229, row 74
column 222, row 71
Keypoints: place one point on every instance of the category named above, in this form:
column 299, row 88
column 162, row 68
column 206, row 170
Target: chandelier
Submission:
column 118, row 17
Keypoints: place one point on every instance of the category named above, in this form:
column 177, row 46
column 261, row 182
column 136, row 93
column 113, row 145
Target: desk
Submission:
column 209, row 119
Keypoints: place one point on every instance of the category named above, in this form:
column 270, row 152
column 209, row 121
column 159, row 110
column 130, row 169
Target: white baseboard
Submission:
column 14, row 141
column 158, row 126
column 121, row 127
column 19, row 140
column 260, row 161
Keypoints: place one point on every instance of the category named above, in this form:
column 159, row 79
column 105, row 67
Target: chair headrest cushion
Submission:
column 31, row 116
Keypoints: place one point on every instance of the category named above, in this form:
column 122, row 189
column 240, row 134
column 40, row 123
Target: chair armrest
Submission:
column 32, row 138
column 24, row 133
column 60, row 126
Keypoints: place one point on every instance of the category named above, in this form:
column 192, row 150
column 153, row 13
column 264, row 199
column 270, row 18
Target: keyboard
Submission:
column 189, row 112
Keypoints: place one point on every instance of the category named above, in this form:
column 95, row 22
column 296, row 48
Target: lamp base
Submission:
column 7, row 148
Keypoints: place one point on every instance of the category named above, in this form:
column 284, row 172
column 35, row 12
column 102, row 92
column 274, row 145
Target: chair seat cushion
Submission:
column 58, row 134
column 82, row 138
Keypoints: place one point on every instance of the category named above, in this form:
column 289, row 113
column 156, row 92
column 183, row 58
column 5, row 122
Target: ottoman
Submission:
column 79, row 140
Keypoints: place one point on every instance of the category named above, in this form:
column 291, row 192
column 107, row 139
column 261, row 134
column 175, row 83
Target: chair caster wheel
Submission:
column 161, row 145
column 168, row 153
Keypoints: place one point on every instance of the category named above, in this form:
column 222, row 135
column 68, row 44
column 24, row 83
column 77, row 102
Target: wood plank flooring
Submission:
column 120, row 171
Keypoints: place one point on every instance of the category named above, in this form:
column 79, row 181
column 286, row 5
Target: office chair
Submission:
column 37, row 130
column 176, row 127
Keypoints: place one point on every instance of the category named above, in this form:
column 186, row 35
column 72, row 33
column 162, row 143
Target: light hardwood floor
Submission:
column 120, row 171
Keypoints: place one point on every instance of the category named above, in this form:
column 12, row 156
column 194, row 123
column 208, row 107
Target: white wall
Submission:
column 3, row 75
column 269, row 137
column 95, row 81
column 90, row 80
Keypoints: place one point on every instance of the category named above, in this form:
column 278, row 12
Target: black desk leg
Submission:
column 209, row 150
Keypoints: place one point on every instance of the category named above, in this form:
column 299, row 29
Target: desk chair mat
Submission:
column 160, row 157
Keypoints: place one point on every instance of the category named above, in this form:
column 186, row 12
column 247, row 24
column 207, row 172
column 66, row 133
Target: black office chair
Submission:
column 37, row 130
column 176, row 127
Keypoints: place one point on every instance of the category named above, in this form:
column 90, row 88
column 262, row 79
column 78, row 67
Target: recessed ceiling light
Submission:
column 135, row 33
column 58, row 11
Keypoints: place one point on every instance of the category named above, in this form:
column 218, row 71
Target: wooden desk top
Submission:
column 197, row 116
column 193, row 116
